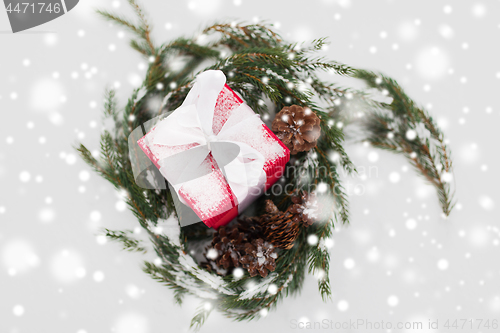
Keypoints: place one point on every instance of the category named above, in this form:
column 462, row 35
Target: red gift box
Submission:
column 210, row 196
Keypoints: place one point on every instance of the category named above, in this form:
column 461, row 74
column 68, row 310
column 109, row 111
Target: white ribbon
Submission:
column 191, row 123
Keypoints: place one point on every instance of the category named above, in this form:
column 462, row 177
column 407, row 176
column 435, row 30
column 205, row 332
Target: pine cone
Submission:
column 279, row 228
column 260, row 257
column 297, row 127
column 229, row 244
column 250, row 226
column 304, row 208
column 271, row 208
column 232, row 244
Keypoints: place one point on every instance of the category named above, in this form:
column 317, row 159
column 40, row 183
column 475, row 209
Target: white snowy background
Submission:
column 398, row 261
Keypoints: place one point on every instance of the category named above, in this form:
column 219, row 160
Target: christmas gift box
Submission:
column 215, row 151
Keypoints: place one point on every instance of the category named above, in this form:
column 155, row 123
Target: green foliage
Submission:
column 388, row 126
column 264, row 70
column 129, row 243
column 200, row 316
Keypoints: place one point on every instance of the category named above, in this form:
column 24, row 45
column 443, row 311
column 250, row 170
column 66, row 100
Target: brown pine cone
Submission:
column 271, row 208
column 297, row 127
column 280, row 229
column 304, row 208
column 259, row 258
column 229, row 244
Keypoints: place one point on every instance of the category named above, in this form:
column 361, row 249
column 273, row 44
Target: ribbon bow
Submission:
column 191, row 124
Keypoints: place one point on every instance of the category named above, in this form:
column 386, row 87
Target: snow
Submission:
column 133, row 291
column 70, row 159
column 393, row 300
column 443, row 264
column 19, row 256
column 213, row 281
column 50, row 39
column 135, row 80
column 349, row 263
column 408, row 31
column 18, row 310
column 98, row 276
column 120, row 205
column 171, row 229
column 46, row 215
column 212, row 254
column 84, row 175
column 486, row 202
column 204, row 8
column 411, row 134
column 272, row 289
column 24, row 176
column 322, row 188
column 131, row 323
column 479, row 10
column 411, row 224
column 95, row 216
column 67, row 266
column 343, row 305
column 238, row 273
column 432, row 63
column 373, row 156
column 312, row 239
column 254, row 289
column 394, row 177
column 45, row 95
column 373, row 255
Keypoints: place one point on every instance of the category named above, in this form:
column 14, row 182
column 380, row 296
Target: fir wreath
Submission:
column 269, row 74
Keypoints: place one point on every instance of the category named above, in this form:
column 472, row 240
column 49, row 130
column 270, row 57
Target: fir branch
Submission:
column 318, row 264
column 201, row 316
column 124, row 22
column 110, row 103
column 142, row 31
column 129, row 243
column 87, row 157
column 179, row 295
column 223, row 28
column 140, row 47
column 258, row 66
column 398, row 131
